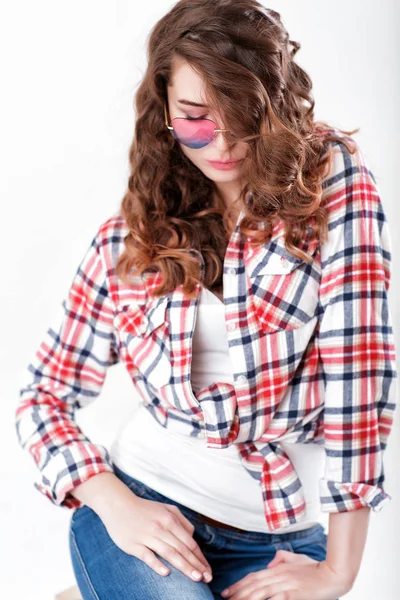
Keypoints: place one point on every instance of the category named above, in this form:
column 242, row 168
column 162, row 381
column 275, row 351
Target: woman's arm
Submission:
column 103, row 493
column 297, row 576
column 347, row 536
column 355, row 340
column 67, row 373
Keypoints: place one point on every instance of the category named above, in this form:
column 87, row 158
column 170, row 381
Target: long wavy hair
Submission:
column 242, row 51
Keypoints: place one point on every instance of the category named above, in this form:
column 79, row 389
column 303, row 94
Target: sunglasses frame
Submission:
column 186, row 119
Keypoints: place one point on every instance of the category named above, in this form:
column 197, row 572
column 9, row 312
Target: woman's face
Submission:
column 186, row 89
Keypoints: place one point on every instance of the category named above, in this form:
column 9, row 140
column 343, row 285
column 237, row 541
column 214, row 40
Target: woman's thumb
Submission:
column 282, row 556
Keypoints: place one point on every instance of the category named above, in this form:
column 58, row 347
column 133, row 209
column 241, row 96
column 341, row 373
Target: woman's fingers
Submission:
column 185, row 522
column 169, row 546
column 149, row 558
column 187, row 538
column 142, row 527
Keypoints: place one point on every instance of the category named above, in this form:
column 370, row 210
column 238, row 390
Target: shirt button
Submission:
column 242, row 378
column 284, row 261
column 231, row 326
column 232, row 271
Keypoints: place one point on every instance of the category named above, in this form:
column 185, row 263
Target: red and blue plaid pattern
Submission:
column 311, row 345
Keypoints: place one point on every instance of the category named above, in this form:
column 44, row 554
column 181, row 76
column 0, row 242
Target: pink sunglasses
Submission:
column 194, row 133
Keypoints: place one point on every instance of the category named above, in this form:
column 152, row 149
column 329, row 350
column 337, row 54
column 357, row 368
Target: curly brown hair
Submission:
column 242, row 50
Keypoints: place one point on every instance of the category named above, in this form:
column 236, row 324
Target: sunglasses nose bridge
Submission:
column 225, row 136
column 217, row 131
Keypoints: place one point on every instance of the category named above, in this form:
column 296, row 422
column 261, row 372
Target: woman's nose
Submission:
column 221, row 141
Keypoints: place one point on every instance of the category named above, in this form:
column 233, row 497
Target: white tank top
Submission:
column 211, row 481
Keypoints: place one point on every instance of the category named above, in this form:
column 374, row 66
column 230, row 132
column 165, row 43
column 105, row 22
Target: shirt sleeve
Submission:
column 355, row 339
column 67, row 373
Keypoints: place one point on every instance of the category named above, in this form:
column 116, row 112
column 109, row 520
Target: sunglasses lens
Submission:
column 193, row 134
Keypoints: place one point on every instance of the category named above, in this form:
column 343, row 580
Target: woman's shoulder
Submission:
column 110, row 238
column 349, row 178
column 112, row 231
column 352, row 200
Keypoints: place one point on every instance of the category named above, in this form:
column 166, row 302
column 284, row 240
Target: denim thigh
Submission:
column 105, row 572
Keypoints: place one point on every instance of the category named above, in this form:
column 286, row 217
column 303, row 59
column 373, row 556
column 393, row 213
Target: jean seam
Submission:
column 72, row 520
column 317, row 544
column 321, row 545
column 256, row 538
column 83, row 567
column 312, row 541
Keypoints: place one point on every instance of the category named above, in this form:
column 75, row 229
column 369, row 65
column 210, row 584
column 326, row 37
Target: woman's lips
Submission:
column 224, row 165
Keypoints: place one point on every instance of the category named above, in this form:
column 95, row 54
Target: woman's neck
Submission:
column 230, row 198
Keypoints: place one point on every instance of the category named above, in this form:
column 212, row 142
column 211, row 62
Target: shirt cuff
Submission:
column 69, row 468
column 340, row 497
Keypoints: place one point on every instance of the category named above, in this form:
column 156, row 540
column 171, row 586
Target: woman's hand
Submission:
column 142, row 527
column 283, row 556
column 289, row 576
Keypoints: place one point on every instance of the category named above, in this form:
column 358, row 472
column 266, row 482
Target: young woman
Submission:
column 243, row 284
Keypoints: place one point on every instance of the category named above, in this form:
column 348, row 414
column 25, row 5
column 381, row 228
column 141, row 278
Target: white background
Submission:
column 69, row 71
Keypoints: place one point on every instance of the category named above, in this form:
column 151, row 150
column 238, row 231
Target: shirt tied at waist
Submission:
column 222, row 420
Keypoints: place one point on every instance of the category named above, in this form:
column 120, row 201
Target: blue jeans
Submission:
column 105, row 572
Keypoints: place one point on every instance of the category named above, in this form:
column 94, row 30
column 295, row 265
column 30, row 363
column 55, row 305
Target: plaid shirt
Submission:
column 311, row 346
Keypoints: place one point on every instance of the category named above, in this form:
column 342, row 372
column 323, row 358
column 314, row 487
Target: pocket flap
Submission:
column 274, row 259
column 274, row 264
column 141, row 319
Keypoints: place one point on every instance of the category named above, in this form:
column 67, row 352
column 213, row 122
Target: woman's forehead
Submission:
column 186, row 83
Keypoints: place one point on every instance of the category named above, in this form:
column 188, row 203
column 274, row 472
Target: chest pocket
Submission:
column 284, row 289
column 143, row 331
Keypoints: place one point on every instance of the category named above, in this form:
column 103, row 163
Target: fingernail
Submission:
column 196, row 574
column 207, row 576
column 225, row 592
